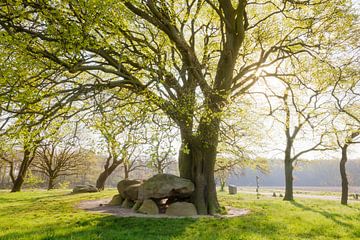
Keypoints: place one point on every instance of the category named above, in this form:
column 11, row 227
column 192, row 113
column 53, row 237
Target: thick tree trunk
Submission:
column 288, row 181
column 344, row 180
column 288, row 174
column 18, row 183
column 100, row 182
column 51, row 183
column 19, row 180
column 197, row 162
column 288, row 165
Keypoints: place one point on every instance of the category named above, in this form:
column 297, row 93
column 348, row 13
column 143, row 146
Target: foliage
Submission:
column 161, row 144
column 32, row 181
column 188, row 58
column 64, row 185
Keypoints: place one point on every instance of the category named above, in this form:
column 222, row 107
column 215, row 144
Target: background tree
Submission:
column 301, row 112
column 346, row 122
column 55, row 159
column 26, row 139
column 119, row 127
column 349, row 137
column 9, row 158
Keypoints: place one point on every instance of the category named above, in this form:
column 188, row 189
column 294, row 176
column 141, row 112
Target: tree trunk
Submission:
column 51, row 183
column 126, row 172
column 19, row 180
column 288, row 180
column 18, row 183
column 222, row 185
column 3, row 176
column 197, row 162
column 100, row 182
column 160, row 169
column 344, row 180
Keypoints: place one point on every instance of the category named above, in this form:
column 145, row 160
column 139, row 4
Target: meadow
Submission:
column 53, row 215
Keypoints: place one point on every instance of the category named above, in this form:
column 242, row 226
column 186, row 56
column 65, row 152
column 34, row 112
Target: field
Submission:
column 53, row 215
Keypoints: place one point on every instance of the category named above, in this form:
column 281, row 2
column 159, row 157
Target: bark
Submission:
column 11, row 172
column 100, row 182
column 18, row 183
column 51, row 183
column 160, row 169
column 344, row 180
column 3, row 176
column 197, row 163
column 126, row 172
column 288, row 181
column 19, row 180
column 288, row 160
column 288, row 175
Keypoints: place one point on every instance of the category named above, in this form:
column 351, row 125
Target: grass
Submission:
column 52, row 215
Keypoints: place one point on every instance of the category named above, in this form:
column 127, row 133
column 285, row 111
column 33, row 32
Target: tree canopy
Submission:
column 190, row 58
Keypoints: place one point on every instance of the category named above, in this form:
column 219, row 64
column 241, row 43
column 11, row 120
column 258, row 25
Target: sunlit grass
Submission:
column 53, row 215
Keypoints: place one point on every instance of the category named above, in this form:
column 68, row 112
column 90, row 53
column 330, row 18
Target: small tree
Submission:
column 119, row 128
column 55, row 159
column 301, row 112
column 22, row 139
column 346, row 122
column 351, row 137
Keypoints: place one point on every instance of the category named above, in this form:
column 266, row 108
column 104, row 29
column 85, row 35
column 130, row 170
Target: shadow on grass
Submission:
column 335, row 217
column 107, row 227
column 114, row 228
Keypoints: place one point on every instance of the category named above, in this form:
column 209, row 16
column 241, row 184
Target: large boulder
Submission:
column 131, row 192
column 164, row 186
column 181, row 209
column 137, row 205
column 123, row 184
column 116, row 200
column 149, row 207
column 84, row 189
column 232, row 189
column 127, row 203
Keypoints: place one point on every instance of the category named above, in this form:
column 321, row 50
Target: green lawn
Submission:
column 52, row 215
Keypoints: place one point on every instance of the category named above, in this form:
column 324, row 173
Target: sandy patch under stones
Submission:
column 101, row 206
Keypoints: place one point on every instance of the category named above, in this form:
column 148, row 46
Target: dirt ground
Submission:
column 101, row 206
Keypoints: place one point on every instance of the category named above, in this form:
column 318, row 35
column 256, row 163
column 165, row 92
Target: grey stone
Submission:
column 149, row 207
column 123, row 184
column 127, row 203
column 84, row 189
column 116, row 200
column 137, row 205
column 181, row 209
column 232, row 189
column 164, row 186
column 131, row 192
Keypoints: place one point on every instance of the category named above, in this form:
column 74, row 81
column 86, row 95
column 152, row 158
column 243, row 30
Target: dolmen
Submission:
column 161, row 194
